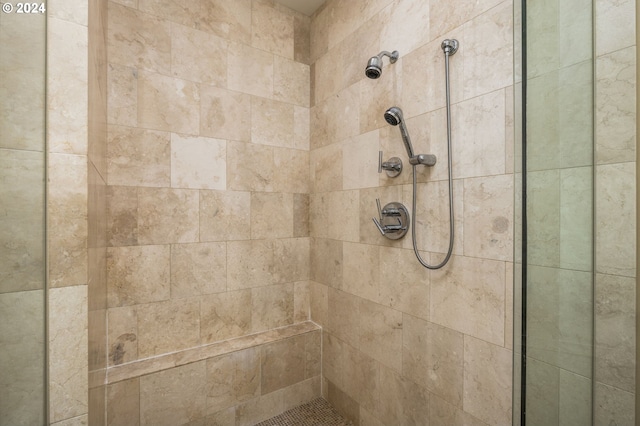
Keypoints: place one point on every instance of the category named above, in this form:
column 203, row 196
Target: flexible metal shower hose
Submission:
column 415, row 185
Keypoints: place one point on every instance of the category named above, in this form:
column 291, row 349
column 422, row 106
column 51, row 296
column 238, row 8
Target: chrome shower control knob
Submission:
column 393, row 221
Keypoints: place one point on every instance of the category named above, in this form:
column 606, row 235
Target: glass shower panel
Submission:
column 22, row 217
column 556, row 295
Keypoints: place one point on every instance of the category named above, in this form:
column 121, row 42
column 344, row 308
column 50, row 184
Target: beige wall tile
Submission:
column 433, row 356
column 301, row 301
column 613, row 406
column 271, row 307
column 138, row 39
column 359, row 278
column 168, row 326
column 333, row 359
column 404, row 283
column 464, row 12
column 75, row 421
column 561, row 336
column 272, row 29
column 138, row 157
column 249, row 264
column 225, row 215
column 327, row 262
column 259, row 409
column 443, row 413
column 360, row 161
column 174, row 396
column 67, row 87
column 138, row 274
column 272, row 123
column 479, row 130
column 318, row 305
column 614, row 317
column 290, row 170
column 343, row 403
column 123, row 403
column 615, row 221
column 614, row 26
column 22, row 362
column 291, row 260
column 302, row 38
column 326, row 172
column 198, row 56
column 232, row 379
column 67, row 219
column 576, row 392
column 225, row 315
column 432, row 218
column 198, row 162
column 291, row 82
column 122, row 215
column 122, row 97
column 576, row 218
column 361, row 377
column 543, row 193
column 615, row 110
column 250, row 167
column 488, row 56
column 271, row 215
column 380, row 333
column 167, row 215
column 344, row 318
column 225, row 114
column 301, row 393
column 68, row 365
column 21, row 254
column 23, row 66
column 488, row 217
column 282, row 364
column 487, row 381
column 122, row 335
column 250, row 70
column 403, row 34
column 401, row 400
column 169, row 104
column 198, row 269
column 468, row 296
column 300, row 215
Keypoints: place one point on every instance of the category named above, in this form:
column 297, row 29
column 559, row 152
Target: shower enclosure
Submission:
column 22, row 218
column 574, row 345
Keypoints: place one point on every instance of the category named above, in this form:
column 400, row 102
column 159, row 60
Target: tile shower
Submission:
column 232, row 151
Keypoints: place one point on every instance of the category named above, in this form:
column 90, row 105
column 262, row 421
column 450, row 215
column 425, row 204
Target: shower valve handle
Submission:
column 392, row 221
column 393, row 167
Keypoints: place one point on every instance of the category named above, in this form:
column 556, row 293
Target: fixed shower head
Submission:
column 394, row 117
column 374, row 66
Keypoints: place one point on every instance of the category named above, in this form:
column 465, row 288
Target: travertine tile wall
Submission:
column 67, row 204
column 403, row 345
column 615, row 212
column 97, row 210
column 208, row 177
column 22, row 190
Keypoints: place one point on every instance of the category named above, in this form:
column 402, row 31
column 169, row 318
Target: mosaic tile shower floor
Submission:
column 315, row 413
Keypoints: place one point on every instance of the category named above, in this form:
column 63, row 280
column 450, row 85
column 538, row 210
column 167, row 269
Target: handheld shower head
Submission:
column 394, row 117
column 374, row 66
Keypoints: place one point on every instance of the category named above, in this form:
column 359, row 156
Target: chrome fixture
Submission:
column 393, row 220
column 374, row 66
column 393, row 166
column 394, row 117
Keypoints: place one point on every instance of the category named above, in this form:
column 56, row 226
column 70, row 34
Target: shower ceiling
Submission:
column 304, row 6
